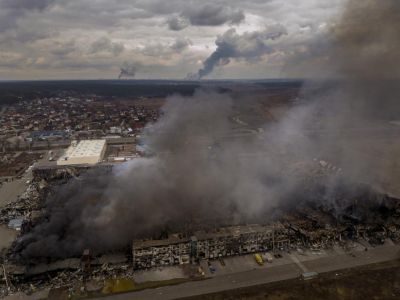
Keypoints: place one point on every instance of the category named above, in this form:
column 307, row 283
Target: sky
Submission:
column 164, row 39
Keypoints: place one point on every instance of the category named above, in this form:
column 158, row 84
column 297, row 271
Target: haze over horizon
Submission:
column 54, row 39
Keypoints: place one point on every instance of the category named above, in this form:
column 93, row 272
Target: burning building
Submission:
column 225, row 241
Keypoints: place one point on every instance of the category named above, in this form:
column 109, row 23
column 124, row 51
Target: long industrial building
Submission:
column 85, row 152
column 227, row 241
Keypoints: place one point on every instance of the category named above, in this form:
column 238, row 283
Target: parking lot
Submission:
column 300, row 257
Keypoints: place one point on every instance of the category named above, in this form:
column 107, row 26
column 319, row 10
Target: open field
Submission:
column 376, row 281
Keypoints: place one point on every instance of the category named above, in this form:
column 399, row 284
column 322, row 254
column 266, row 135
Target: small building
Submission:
column 85, row 152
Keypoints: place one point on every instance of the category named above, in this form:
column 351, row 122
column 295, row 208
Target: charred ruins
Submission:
column 360, row 214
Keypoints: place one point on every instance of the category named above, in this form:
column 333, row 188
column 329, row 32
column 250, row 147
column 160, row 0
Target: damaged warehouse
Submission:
column 308, row 228
column 242, row 174
column 73, row 210
column 226, row 241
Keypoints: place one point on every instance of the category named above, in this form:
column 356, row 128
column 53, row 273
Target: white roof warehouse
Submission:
column 83, row 152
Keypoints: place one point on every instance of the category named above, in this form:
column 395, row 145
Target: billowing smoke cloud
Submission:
column 194, row 181
column 369, row 52
column 206, row 15
column 231, row 45
column 354, row 117
column 128, row 70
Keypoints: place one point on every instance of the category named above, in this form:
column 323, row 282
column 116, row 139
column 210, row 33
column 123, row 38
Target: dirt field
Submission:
column 378, row 281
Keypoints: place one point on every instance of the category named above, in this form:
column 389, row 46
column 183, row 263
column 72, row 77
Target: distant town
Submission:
column 30, row 129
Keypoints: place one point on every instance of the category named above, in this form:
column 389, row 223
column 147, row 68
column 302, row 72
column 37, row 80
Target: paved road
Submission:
column 10, row 191
column 265, row 275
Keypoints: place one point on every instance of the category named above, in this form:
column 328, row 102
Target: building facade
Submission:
column 226, row 241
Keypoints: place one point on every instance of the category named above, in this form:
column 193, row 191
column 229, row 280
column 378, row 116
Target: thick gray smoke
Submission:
column 194, row 181
column 231, row 45
column 128, row 70
column 354, row 118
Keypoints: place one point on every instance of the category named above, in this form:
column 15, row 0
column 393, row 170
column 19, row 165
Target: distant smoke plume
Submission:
column 231, row 45
column 128, row 70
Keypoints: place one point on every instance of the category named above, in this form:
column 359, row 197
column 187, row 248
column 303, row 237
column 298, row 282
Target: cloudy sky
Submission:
column 167, row 39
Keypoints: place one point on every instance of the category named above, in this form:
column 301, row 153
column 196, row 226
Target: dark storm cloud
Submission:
column 231, row 45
